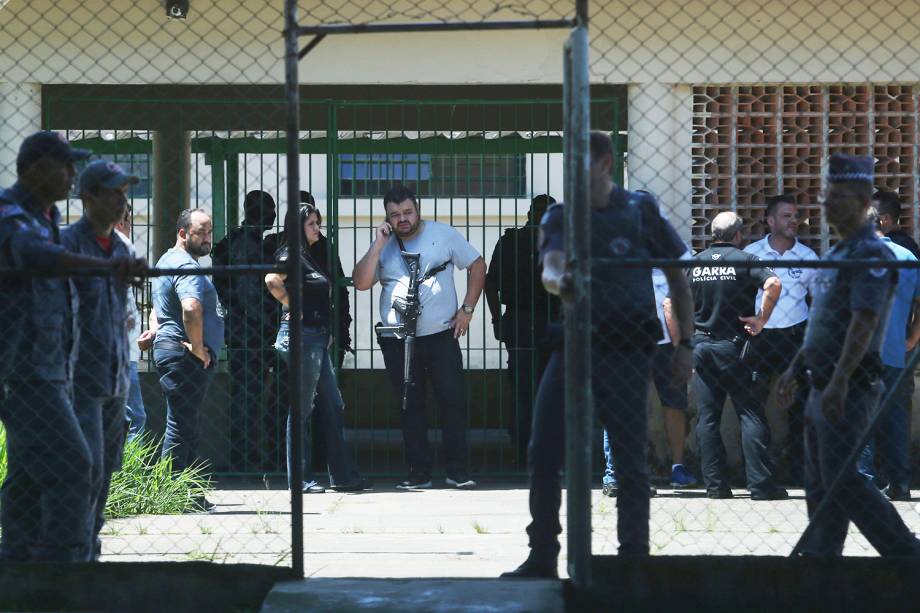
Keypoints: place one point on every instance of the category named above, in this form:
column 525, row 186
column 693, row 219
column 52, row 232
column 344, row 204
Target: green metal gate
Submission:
column 475, row 164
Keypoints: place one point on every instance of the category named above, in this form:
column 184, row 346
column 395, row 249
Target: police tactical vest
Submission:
column 622, row 299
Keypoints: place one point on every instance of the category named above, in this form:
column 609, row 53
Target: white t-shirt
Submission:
column 791, row 308
column 436, row 243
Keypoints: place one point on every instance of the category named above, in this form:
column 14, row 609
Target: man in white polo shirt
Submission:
column 784, row 333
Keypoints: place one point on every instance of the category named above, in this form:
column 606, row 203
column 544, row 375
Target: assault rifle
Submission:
column 409, row 309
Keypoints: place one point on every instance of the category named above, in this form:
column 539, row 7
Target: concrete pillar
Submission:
column 660, row 137
column 172, row 154
column 20, row 115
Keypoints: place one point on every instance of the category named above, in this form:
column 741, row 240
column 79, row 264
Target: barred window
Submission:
column 441, row 175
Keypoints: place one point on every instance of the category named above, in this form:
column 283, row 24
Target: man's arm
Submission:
column 913, row 336
column 680, row 304
column 193, row 322
column 146, row 338
column 679, row 311
column 859, row 335
column 555, row 279
column 493, row 301
column 363, row 275
column 772, row 288
column 476, row 279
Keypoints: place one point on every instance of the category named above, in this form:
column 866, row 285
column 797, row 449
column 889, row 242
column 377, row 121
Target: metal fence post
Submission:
column 579, row 408
column 295, row 239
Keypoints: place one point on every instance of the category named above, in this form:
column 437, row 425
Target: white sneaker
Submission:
column 461, row 483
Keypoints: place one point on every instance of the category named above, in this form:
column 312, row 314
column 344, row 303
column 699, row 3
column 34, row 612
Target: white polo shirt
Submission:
column 791, row 308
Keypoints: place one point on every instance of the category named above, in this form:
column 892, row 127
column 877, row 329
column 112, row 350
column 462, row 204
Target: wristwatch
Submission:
column 467, row 308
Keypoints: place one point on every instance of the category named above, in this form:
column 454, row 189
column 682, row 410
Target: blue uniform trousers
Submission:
column 827, row 445
column 103, row 423
column 620, row 399
column 45, row 499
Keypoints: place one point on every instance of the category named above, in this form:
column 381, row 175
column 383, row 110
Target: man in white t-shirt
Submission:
column 783, row 335
column 437, row 350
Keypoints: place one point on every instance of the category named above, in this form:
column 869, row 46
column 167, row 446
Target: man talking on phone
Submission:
column 440, row 325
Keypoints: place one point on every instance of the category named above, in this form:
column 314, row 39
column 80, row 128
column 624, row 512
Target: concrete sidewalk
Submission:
column 438, row 533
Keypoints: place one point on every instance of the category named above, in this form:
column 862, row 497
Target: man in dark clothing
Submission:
column 842, row 362
column 101, row 376
column 45, row 499
column 252, row 320
column 888, row 205
column 725, row 321
column 513, row 280
column 624, row 225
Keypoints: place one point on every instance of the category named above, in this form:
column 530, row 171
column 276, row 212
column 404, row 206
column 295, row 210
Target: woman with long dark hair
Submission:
column 317, row 374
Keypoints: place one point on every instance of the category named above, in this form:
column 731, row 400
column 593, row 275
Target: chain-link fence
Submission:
column 712, row 107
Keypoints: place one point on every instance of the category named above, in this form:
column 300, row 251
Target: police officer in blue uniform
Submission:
column 101, row 375
column 45, row 499
column 626, row 330
column 725, row 321
column 842, row 362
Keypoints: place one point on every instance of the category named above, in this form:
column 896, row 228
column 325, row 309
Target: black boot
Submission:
column 534, row 567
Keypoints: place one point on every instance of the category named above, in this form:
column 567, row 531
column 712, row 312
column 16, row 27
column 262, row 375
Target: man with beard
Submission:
column 440, row 325
column 782, row 336
column 189, row 335
column 252, row 321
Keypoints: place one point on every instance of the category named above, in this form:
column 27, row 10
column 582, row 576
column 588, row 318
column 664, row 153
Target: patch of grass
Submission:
column 147, row 484
column 205, row 530
column 2, row 454
column 680, row 525
column 479, row 528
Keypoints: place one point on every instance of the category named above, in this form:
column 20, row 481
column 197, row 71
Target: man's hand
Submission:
column 753, row 325
column 460, row 322
column 145, row 340
column 200, row 352
column 383, row 232
column 835, row 394
column 912, row 343
column 130, row 270
column 681, row 364
column 786, row 387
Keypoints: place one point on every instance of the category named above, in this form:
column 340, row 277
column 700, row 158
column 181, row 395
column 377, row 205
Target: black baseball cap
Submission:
column 106, row 174
column 47, row 144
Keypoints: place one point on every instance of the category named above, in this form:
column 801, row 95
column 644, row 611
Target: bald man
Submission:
column 725, row 321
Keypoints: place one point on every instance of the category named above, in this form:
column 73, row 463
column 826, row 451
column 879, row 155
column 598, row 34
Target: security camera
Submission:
column 177, row 9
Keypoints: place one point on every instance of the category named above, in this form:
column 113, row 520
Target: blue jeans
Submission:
column 320, row 392
column 827, row 445
column 890, row 439
column 45, row 499
column 184, row 381
column 103, row 423
column 137, row 415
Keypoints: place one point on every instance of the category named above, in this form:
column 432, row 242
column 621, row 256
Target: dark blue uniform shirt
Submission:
column 839, row 292
column 631, row 226
column 102, row 360
column 37, row 320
